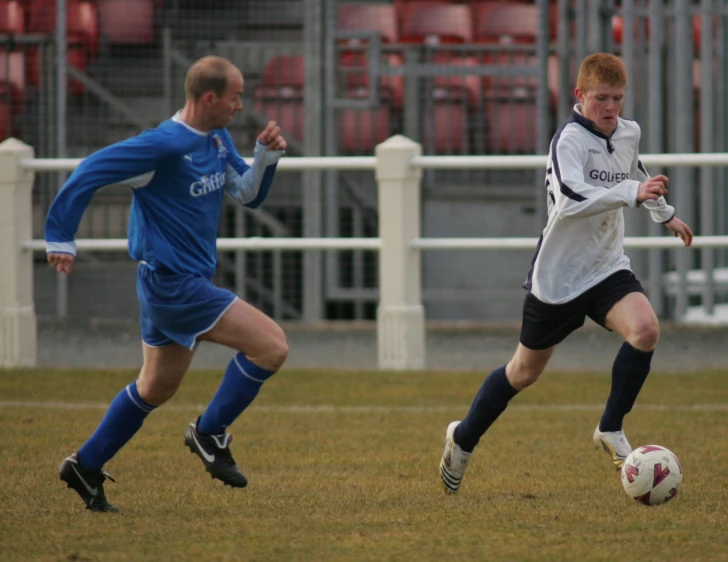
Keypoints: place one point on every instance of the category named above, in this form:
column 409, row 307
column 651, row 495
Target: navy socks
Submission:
column 630, row 369
column 489, row 403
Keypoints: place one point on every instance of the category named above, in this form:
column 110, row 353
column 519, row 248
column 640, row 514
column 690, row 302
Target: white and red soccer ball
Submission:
column 651, row 474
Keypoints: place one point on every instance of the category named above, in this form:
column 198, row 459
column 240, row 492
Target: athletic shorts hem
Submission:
column 546, row 325
column 195, row 341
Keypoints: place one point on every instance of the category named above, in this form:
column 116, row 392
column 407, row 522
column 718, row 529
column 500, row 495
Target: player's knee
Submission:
column 645, row 336
column 530, row 375
column 522, row 375
column 156, row 392
column 276, row 351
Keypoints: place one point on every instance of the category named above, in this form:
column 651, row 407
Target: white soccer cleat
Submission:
column 454, row 461
column 615, row 443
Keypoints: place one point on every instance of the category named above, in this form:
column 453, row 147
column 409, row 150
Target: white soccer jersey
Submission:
column 589, row 178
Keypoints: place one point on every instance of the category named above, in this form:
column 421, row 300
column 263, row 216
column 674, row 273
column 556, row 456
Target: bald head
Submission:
column 209, row 74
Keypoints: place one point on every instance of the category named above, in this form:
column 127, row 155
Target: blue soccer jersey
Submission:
column 179, row 176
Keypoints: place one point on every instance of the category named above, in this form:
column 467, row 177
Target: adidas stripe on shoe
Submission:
column 454, row 461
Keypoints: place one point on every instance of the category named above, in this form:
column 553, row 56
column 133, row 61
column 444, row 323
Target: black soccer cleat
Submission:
column 87, row 483
column 214, row 450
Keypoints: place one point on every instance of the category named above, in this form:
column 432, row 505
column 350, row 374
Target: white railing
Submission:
column 398, row 165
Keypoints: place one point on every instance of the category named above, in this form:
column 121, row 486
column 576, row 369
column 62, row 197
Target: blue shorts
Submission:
column 177, row 307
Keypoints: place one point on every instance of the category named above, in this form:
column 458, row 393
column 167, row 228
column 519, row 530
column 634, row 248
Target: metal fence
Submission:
column 400, row 313
column 458, row 77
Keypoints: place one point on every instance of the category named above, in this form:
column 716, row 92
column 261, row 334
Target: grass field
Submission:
column 344, row 466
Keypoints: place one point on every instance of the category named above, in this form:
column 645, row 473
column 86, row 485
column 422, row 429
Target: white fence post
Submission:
column 17, row 313
column 400, row 316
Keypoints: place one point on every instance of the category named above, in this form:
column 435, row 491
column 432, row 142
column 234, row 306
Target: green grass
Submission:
column 344, row 466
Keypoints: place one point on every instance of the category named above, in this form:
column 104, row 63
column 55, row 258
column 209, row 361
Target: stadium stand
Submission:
column 279, row 95
column 370, row 17
column 504, row 22
column 12, row 17
column 124, row 22
column 12, row 78
column 435, row 23
column 82, row 35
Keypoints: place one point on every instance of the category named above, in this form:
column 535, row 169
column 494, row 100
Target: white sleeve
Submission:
column 574, row 197
column 245, row 187
column 659, row 209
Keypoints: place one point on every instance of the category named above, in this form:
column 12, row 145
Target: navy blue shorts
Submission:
column 178, row 308
column 545, row 325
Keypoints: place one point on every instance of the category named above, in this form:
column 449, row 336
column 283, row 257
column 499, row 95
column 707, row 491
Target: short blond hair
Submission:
column 601, row 68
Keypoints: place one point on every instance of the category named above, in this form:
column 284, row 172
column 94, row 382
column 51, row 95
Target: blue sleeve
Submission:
column 117, row 163
column 249, row 185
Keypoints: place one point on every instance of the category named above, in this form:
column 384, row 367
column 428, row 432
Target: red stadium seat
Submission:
column 370, row 17
column 126, row 21
column 510, row 125
column 11, row 17
column 516, row 83
column 435, row 23
column 640, row 24
column 403, row 6
column 505, row 22
column 360, row 130
column 697, row 31
column 509, row 23
column 445, row 128
column 76, row 56
column 510, row 106
column 356, row 69
column 82, row 22
column 279, row 96
column 284, row 70
column 286, row 108
column 5, row 120
column 12, row 78
column 456, row 86
column 82, row 35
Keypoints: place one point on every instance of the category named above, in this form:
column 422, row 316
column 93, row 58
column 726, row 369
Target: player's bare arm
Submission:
column 679, row 228
column 653, row 189
column 271, row 137
column 61, row 261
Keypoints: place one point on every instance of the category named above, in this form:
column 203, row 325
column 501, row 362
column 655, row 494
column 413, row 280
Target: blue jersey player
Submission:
column 179, row 173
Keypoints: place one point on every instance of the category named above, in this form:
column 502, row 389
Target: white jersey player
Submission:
column 579, row 268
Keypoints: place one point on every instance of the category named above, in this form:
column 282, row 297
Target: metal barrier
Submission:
column 398, row 166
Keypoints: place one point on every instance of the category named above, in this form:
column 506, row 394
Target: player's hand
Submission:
column 62, row 262
column 653, row 188
column 271, row 137
column 679, row 228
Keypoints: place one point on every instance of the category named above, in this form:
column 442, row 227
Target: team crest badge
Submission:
column 221, row 149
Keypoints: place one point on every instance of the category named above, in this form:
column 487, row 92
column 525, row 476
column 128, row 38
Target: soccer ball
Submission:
column 651, row 474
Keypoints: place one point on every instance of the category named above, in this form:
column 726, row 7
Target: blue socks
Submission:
column 127, row 412
column 122, row 420
column 238, row 389
column 630, row 369
column 489, row 403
